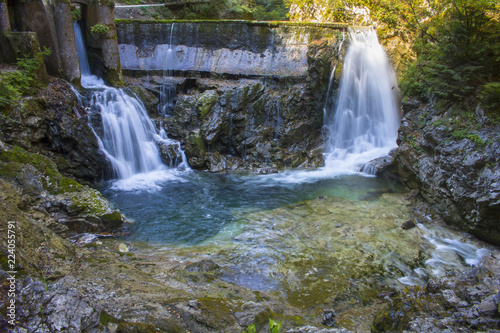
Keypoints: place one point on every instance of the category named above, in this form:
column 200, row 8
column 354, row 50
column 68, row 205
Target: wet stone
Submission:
column 329, row 318
column 408, row 224
column 450, row 298
column 251, row 313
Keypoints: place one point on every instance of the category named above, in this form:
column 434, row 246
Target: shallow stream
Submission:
column 314, row 241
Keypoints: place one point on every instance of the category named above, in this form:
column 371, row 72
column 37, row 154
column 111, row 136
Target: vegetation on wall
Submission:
column 16, row 83
column 100, row 30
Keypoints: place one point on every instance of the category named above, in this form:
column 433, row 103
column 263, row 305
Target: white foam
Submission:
column 448, row 253
column 149, row 181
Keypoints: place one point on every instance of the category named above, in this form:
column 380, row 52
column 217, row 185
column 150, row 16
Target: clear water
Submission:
column 192, row 207
column 331, row 239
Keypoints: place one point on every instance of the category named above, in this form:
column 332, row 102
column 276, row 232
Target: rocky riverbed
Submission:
column 334, row 263
column 321, row 278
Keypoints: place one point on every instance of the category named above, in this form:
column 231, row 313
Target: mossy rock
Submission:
column 39, row 251
column 87, row 202
column 196, row 149
column 205, row 102
column 216, row 312
column 112, row 219
column 37, row 176
column 413, row 301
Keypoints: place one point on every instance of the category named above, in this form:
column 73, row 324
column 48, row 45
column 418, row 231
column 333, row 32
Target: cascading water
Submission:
column 168, row 92
column 365, row 121
column 129, row 138
column 332, row 77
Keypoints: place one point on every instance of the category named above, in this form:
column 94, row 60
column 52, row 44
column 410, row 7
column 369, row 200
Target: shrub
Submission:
column 489, row 96
column 14, row 84
column 99, row 29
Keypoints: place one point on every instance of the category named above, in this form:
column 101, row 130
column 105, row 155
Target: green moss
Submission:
column 52, row 181
column 68, row 185
column 217, row 312
column 105, row 319
column 114, row 76
column 112, row 217
column 89, row 202
column 205, row 103
column 61, row 163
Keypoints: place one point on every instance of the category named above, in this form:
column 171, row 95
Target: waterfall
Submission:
column 88, row 80
column 128, row 133
column 168, row 91
column 332, row 77
column 128, row 137
column 365, row 120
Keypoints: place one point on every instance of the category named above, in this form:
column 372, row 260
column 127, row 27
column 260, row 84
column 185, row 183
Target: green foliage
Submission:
column 76, row 13
column 412, row 81
column 216, row 9
column 23, row 81
column 458, row 55
column 100, row 29
column 250, row 329
column 274, row 327
column 464, row 134
column 489, row 96
column 262, row 10
column 270, row 10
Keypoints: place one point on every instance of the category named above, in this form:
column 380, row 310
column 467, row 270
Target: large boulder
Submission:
column 73, row 208
column 251, row 124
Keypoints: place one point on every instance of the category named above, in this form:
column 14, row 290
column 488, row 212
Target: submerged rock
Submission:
column 408, row 224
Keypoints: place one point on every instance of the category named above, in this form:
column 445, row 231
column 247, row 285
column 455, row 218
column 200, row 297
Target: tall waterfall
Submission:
column 129, row 138
column 365, row 120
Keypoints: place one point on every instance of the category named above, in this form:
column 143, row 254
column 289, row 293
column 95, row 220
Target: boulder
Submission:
column 75, row 208
column 53, row 123
column 55, row 308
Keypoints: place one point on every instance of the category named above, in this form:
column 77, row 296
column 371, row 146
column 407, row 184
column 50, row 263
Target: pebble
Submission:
column 123, row 248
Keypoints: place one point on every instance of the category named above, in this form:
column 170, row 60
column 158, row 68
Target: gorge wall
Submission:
column 456, row 171
column 244, row 95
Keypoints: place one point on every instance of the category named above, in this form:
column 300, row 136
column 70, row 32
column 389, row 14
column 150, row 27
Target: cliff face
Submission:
column 238, row 48
column 52, row 123
column 456, row 170
column 245, row 96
